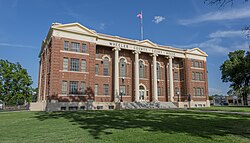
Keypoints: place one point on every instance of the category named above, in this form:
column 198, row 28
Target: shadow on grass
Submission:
column 168, row 121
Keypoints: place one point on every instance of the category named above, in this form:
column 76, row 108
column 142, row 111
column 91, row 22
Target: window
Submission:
column 192, row 63
column 201, row 76
column 196, row 64
column 198, row 91
column 65, row 64
column 75, row 47
column 194, row 91
column 106, row 66
column 197, row 76
column 158, row 69
column 84, row 46
column 193, row 76
column 202, row 91
column 106, row 89
column 200, row 64
column 83, row 66
column 122, row 67
column 66, row 45
column 182, row 91
column 96, row 89
column 123, row 89
column 159, row 91
column 177, row 92
column 96, row 69
column 64, row 87
column 74, row 64
column 82, row 88
column 141, row 69
column 181, row 75
column 175, row 75
column 73, row 87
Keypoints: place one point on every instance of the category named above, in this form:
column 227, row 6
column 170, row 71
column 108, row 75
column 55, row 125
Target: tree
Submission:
column 236, row 70
column 223, row 3
column 15, row 83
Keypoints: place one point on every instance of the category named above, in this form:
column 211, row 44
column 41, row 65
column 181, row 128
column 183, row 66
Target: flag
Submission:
column 139, row 15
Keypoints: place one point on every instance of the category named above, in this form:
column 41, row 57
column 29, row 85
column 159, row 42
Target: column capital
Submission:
column 136, row 52
column 116, row 48
column 154, row 55
column 169, row 57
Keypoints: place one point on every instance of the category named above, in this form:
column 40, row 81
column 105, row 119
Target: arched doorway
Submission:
column 142, row 93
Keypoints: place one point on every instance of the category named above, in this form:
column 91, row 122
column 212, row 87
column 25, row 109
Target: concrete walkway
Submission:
column 224, row 112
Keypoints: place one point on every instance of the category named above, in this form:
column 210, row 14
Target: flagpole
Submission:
column 141, row 26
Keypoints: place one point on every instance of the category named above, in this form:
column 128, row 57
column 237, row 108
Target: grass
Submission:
column 225, row 108
column 152, row 126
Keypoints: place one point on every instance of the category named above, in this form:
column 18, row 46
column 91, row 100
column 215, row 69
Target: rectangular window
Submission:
column 182, row 91
column 106, row 89
column 181, row 75
column 96, row 89
column 197, row 76
column 82, row 88
column 84, row 47
column 65, row 64
column 74, row 64
column 196, row 64
column 193, row 76
column 64, row 87
column 200, row 65
column 201, row 76
column 175, row 75
column 194, row 91
column 96, row 69
column 159, row 91
column 123, row 89
column 66, row 45
column 192, row 63
column 83, row 66
column 73, row 87
column 75, row 47
column 198, row 91
column 202, row 91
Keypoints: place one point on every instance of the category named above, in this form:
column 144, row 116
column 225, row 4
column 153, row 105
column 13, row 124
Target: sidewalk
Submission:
column 224, row 112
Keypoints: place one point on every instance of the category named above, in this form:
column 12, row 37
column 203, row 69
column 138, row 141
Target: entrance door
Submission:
column 142, row 93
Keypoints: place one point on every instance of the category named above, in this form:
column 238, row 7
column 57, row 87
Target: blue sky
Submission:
column 180, row 23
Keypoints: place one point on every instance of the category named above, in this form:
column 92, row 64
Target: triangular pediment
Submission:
column 74, row 27
column 196, row 51
column 147, row 43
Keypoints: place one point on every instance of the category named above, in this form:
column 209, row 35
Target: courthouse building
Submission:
column 79, row 65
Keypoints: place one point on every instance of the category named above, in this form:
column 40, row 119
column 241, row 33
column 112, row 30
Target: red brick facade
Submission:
column 52, row 74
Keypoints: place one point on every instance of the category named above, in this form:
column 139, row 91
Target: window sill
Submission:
column 71, row 52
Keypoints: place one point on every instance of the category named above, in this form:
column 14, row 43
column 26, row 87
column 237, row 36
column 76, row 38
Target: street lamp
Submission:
column 178, row 94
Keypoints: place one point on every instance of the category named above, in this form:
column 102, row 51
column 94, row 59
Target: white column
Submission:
column 155, row 98
column 136, row 75
column 116, row 89
column 45, row 74
column 171, row 79
column 40, row 82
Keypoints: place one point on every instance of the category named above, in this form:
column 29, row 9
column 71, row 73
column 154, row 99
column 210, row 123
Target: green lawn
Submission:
column 125, row 126
column 225, row 108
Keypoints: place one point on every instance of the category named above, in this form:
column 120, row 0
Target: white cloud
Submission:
column 102, row 26
column 158, row 19
column 226, row 34
column 16, row 45
column 230, row 14
column 213, row 91
column 211, row 46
